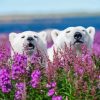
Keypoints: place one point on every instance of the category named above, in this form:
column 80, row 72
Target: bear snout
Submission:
column 30, row 39
column 77, row 35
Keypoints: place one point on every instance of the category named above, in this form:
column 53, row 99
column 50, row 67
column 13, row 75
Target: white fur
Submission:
column 18, row 43
column 48, row 36
column 60, row 38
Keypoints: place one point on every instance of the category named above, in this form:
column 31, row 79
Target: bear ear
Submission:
column 54, row 34
column 12, row 36
column 43, row 36
column 91, row 31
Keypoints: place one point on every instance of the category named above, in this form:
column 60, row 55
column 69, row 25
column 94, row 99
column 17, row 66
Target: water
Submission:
column 49, row 23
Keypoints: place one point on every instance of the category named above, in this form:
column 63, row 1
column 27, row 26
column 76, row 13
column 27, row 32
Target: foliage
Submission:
column 68, row 77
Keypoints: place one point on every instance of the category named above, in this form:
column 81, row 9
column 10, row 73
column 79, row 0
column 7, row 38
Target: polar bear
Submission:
column 73, row 37
column 49, row 40
column 28, row 43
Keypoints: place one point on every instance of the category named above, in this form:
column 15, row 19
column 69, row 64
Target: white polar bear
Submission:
column 48, row 37
column 73, row 37
column 28, row 43
column 49, row 40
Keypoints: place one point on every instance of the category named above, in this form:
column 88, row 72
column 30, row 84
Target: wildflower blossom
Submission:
column 96, row 49
column 48, row 85
column 57, row 98
column 4, row 56
column 51, row 92
column 19, row 90
column 35, row 78
column 67, row 72
column 51, row 85
column 19, row 66
column 5, row 82
column 79, row 70
column 36, row 58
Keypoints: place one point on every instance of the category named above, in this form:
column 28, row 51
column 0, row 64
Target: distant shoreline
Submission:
column 21, row 17
column 37, row 24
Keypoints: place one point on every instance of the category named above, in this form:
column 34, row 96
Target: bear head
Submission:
column 27, row 42
column 73, row 37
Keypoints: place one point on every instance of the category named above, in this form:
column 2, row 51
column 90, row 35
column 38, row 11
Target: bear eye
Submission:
column 35, row 36
column 83, row 30
column 23, row 37
column 67, row 31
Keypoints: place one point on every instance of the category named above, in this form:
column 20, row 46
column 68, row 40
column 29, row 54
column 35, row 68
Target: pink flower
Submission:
column 5, row 82
column 51, row 92
column 36, row 74
column 48, row 85
column 51, row 85
column 19, row 91
column 57, row 98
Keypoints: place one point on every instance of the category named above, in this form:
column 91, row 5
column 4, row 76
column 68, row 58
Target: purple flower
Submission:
column 35, row 78
column 18, row 95
column 57, row 98
column 20, row 86
column 79, row 70
column 96, row 49
column 87, row 59
column 19, row 90
column 99, row 76
column 48, row 85
column 19, row 66
column 36, row 73
column 51, row 92
column 5, row 82
column 36, row 58
column 4, row 54
column 51, row 85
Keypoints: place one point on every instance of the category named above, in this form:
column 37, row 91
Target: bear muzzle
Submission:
column 30, row 43
column 30, row 39
column 29, row 47
column 77, row 35
column 78, row 38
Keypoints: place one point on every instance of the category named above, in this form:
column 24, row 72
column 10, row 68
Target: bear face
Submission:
column 27, row 43
column 73, row 37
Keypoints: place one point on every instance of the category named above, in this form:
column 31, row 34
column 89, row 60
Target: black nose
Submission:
column 29, row 38
column 78, row 35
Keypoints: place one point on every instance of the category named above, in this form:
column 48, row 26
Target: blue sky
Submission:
column 48, row 6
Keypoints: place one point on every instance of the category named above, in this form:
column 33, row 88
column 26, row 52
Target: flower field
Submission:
column 66, row 78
